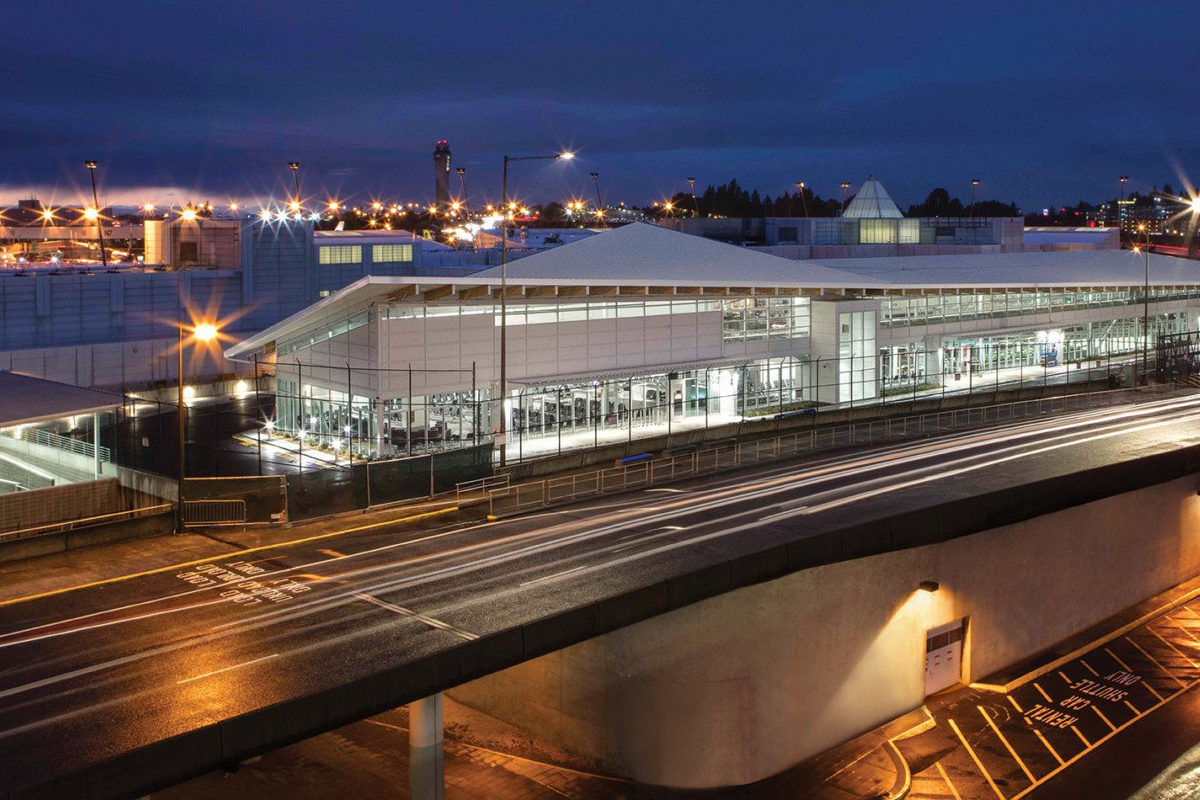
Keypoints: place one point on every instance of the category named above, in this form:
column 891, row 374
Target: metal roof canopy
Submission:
column 25, row 400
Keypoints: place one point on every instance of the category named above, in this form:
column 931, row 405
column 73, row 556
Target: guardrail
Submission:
column 486, row 484
column 71, row 524
column 214, row 512
column 569, row 488
column 51, row 439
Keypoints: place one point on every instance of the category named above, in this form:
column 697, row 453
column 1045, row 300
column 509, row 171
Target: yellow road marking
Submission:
column 1173, row 647
column 975, row 758
column 1043, row 692
column 1102, row 739
column 1154, row 660
column 1129, row 669
column 942, row 771
column 1008, row 746
column 223, row 556
column 1088, row 667
column 1186, row 632
column 1053, row 752
column 1101, row 713
column 1132, row 707
column 1062, row 675
column 1013, row 700
column 333, row 553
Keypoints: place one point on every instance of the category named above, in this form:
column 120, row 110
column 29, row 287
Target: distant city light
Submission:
column 90, row 213
column 189, row 214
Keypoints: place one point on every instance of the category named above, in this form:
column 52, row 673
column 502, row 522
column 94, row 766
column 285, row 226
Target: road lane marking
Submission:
column 1156, row 663
column 1088, row 667
column 1046, row 742
column 1008, row 746
column 975, row 758
column 1130, row 669
column 1086, row 744
column 942, row 771
column 226, row 669
column 1043, row 692
column 405, row 612
column 555, row 575
column 1132, row 708
column 222, row 556
column 1017, row 706
column 1101, row 714
column 333, row 553
column 1186, row 632
column 1173, row 647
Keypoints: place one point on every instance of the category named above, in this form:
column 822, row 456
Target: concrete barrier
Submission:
column 157, row 524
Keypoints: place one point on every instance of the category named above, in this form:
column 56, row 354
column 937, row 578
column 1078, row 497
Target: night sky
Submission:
column 1044, row 102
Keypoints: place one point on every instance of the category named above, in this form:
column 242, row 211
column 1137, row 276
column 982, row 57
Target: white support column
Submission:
column 426, row 755
column 96, row 444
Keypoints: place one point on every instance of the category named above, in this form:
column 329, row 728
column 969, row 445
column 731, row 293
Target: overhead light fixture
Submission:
column 928, row 586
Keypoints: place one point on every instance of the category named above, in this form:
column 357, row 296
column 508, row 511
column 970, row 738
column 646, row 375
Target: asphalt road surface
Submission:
column 97, row 670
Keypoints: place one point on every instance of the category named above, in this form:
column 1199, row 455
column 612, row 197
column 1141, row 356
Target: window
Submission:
column 390, row 253
column 788, row 234
column 877, row 231
column 340, row 254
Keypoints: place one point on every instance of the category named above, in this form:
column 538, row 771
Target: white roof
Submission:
column 872, row 202
column 1033, row 268
column 641, row 252
column 25, row 399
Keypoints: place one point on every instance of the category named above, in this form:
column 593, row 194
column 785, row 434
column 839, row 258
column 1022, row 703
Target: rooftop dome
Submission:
column 872, row 202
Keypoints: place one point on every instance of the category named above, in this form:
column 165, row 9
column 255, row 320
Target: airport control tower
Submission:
column 441, row 174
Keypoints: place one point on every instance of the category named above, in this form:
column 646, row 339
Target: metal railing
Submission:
column 569, row 488
column 214, row 512
column 466, row 489
column 71, row 524
column 51, row 439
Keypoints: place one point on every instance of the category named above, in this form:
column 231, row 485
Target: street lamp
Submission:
column 566, row 155
column 202, row 332
column 974, row 184
column 845, row 188
column 695, row 203
column 91, row 165
column 462, row 186
column 1146, row 307
column 294, row 166
column 599, row 202
column 803, row 196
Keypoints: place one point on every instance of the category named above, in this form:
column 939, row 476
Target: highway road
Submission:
column 92, row 673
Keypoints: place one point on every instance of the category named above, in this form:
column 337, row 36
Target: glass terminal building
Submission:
column 642, row 330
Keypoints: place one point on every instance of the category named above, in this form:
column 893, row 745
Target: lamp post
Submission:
column 203, row 332
column 974, row 185
column 599, row 202
column 803, row 196
column 294, row 166
column 462, row 183
column 845, row 189
column 695, row 203
column 1146, row 308
column 91, row 165
column 566, row 155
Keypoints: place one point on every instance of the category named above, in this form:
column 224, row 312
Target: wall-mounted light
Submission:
column 928, row 586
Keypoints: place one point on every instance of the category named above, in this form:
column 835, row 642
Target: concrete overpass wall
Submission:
column 740, row 686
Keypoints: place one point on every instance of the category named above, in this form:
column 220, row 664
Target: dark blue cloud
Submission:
column 1044, row 102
